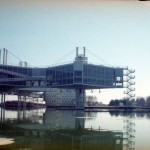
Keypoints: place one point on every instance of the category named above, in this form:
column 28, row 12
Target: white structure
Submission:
column 60, row 97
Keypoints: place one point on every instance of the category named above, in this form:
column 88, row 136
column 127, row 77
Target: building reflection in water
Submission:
column 63, row 119
column 129, row 128
column 60, row 130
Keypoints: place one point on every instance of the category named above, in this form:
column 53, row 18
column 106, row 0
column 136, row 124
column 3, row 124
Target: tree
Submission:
column 140, row 102
column 148, row 102
column 114, row 102
column 127, row 102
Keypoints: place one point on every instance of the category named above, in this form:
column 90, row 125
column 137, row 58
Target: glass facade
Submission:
column 60, row 75
column 16, row 69
column 38, row 72
column 87, row 75
column 77, row 77
column 90, row 75
column 98, row 75
column 12, row 72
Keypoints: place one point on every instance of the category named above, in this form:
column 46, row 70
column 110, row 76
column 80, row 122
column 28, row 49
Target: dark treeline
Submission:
column 143, row 102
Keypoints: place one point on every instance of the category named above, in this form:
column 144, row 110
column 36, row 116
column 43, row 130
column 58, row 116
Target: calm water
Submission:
column 77, row 130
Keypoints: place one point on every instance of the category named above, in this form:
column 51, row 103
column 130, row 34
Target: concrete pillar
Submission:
column 0, row 56
column 2, row 107
column 4, row 56
column 77, row 49
column 24, row 105
column 4, row 96
column 80, row 98
column 79, row 121
column 84, row 51
column 19, row 107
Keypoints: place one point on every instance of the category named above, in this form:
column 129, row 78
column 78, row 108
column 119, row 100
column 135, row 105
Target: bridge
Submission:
column 79, row 76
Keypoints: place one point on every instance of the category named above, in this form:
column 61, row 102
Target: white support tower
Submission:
column 129, row 83
column 3, row 56
column 129, row 122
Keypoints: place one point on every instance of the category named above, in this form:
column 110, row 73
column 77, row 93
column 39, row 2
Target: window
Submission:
column 77, row 80
column 78, row 73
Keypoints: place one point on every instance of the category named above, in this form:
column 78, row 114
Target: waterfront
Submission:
column 70, row 129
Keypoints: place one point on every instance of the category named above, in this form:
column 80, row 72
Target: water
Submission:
column 77, row 130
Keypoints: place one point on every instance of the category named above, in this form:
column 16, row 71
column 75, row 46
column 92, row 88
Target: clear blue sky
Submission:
column 41, row 32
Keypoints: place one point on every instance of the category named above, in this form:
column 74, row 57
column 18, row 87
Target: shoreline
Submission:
column 14, row 105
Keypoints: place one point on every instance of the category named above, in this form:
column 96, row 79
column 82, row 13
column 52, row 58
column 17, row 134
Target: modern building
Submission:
column 75, row 77
column 80, row 75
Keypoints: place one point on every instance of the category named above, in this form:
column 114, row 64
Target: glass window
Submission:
column 78, row 73
column 77, row 80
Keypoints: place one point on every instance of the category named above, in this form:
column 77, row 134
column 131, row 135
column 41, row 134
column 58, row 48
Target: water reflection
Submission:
column 64, row 119
column 68, row 129
column 135, row 114
column 59, row 130
column 148, row 115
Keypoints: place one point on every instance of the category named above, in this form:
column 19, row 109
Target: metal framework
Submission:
column 129, row 122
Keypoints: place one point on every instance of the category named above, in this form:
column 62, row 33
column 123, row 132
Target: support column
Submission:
column 19, row 107
column 79, row 122
column 4, row 53
column 24, row 105
column 80, row 98
column 2, row 107
column 0, row 56
column 4, row 95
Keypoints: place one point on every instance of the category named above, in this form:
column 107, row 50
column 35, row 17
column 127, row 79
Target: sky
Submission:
column 45, row 32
